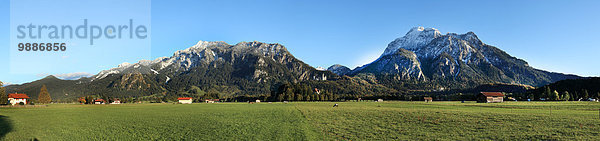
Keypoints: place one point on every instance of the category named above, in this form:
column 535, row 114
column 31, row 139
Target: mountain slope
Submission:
column 339, row 69
column 453, row 60
column 247, row 68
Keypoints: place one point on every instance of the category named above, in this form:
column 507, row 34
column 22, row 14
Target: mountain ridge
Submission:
column 246, row 68
column 456, row 60
column 422, row 60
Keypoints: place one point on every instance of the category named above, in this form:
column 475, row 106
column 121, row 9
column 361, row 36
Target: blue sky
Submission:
column 557, row 36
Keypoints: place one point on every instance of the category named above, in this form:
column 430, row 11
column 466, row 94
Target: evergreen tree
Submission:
column 547, row 93
column 3, row 96
column 280, row 97
column 299, row 97
column 44, row 96
column 585, row 94
column 290, row 94
column 566, row 96
column 575, row 96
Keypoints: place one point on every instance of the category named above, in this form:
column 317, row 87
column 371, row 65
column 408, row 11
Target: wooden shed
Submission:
column 490, row 97
column 428, row 99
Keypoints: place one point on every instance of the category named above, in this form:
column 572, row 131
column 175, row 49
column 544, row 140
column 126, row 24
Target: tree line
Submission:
column 571, row 89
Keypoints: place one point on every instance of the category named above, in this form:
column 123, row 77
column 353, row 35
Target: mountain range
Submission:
column 450, row 61
column 422, row 60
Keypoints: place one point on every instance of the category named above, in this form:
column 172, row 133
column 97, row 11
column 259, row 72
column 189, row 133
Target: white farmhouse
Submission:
column 116, row 101
column 17, row 98
column 185, row 100
column 211, row 100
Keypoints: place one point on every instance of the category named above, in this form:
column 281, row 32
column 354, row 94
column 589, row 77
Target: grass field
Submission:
column 306, row 121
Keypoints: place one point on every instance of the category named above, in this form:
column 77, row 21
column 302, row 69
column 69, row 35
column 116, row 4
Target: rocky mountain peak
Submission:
column 203, row 44
column 454, row 60
column 266, row 49
column 415, row 38
column 339, row 69
column 421, row 31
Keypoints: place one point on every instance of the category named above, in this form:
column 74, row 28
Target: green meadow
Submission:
column 306, row 121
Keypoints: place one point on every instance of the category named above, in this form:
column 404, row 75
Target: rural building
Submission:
column 257, row 101
column 99, row 101
column 211, row 100
column 428, row 99
column 380, row 100
column 185, row 100
column 490, row 97
column 116, row 101
column 17, row 98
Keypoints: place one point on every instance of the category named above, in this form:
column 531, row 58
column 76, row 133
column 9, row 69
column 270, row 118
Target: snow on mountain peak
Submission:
column 415, row 38
column 203, row 44
column 124, row 64
column 417, row 31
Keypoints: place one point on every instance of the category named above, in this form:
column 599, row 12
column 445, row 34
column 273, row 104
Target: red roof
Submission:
column 184, row 98
column 492, row 93
column 99, row 100
column 18, row 96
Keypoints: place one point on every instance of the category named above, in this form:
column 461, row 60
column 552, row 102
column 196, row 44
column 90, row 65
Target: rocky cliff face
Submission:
column 246, row 67
column 424, row 54
column 339, row 69
column 402, row 64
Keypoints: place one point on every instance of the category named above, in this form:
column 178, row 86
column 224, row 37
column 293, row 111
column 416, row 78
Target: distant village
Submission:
column 16, row 99
column 24, row 99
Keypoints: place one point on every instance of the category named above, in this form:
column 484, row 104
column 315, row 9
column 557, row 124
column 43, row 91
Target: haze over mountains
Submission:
column 423, row 59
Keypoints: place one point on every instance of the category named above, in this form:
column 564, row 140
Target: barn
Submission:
column 428, row 99
column 211, row 100
column 490, row 97
column 99, row 101
column 17, row 98
column 185, row 100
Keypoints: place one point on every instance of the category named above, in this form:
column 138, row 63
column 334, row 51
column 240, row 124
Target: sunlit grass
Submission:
column 457, row 121
column 307, row 121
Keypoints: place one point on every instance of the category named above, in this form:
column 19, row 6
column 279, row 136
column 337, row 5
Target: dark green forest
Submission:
column 344, row 88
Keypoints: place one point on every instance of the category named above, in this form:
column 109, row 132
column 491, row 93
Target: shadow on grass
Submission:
column 5, row 126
